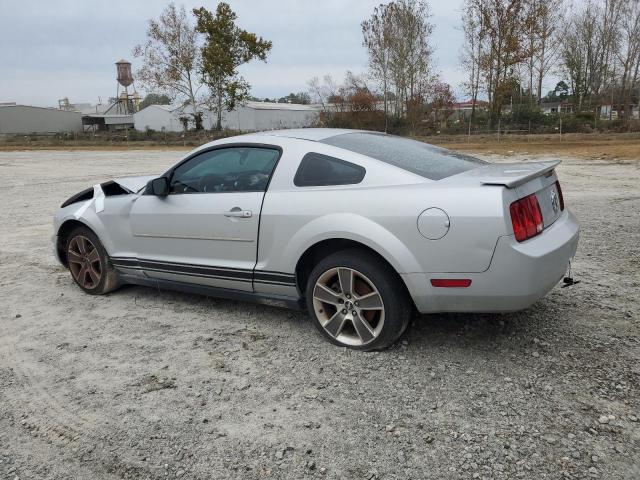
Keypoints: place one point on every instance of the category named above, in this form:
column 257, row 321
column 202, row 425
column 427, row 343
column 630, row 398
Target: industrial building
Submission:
column 118, row 115
column 24, row 119
column 166, row 118
column 249, row 117
column 258, row 116
column 123, row 113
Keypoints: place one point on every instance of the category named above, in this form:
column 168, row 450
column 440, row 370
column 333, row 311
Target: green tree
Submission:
column 558, row 94
column 155, row 99
column 226, row 47
column 300, row 97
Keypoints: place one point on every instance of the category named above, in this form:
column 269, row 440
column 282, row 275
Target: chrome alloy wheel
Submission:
column 84, row 262
column 348, row 306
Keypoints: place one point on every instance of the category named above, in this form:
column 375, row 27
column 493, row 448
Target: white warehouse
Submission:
column 252, row 116
column 24, row 119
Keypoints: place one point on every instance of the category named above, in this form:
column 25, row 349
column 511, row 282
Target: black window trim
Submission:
column 169, row 173
column 301, row 184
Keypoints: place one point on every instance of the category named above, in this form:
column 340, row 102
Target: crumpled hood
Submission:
column 134, row 184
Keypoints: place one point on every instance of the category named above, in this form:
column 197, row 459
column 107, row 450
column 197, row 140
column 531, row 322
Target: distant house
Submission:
column 468, row 105
column 252, row 116
column 25, row 119
column 549, row 108
column 615, row 111
column 463, row 109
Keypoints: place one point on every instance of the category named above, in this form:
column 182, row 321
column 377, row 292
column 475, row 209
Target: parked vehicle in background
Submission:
column 361, row 228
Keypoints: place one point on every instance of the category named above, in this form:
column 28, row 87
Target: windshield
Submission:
column 421, row 158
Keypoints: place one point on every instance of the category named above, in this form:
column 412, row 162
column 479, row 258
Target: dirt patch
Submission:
column 585, row 146
column 144, row 384
column 575, row 145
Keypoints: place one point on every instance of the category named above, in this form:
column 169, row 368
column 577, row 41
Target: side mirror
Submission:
column 158, row 187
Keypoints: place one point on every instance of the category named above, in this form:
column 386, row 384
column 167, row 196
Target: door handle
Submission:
column 238, row 212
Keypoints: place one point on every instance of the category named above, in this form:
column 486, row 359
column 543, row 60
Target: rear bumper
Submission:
column 518, row 276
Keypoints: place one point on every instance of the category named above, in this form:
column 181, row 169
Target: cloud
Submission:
column 68, row 48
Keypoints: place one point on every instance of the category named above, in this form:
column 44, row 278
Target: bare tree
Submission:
column 326, row 93
column 397, row 37
column 441, row 99
column 588, row 52
column 576, row 52
column 351, row 103
column 628, row 54
column 502, row 26
column 472, row 53
column 511, row 46
column 547, row 40
column 377, row 33
column 171, row 56
column 541, row 21
column 411, row 51
column 315, row 92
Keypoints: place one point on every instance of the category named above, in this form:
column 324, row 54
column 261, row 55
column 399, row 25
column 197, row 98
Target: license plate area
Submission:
column 549, row 201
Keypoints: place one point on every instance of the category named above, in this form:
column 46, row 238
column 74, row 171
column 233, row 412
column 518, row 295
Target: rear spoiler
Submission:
column 513, row 174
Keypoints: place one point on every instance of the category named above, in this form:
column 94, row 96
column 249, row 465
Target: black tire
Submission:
column 396, row 303
column 93, row 263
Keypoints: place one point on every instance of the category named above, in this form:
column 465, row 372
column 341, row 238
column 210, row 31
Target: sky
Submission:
column 50, row 49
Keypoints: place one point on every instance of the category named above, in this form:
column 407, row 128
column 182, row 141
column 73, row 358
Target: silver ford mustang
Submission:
column 360, row 228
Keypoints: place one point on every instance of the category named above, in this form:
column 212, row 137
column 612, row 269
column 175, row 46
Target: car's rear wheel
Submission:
column 357, row 301
column 89, row 263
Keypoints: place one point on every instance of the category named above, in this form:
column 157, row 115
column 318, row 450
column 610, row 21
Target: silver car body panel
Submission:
column 188, row 238
column 134, row 184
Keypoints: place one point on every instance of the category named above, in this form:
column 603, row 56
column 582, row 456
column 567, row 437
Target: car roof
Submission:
column 313, row 134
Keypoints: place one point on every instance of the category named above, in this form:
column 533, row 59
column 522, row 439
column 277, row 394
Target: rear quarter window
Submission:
column 420, row 158
column 322, row 170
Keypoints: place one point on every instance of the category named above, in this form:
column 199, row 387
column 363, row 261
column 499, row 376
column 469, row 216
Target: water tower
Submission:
column 126, row 103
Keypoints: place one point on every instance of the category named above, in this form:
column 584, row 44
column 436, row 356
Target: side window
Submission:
column 236, row 169
column 321, row 170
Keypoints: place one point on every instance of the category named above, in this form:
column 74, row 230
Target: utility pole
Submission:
column 561, row 127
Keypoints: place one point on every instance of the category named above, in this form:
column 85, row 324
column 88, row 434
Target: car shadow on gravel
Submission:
column 483, row 331
column 184, row 300
column 472, row 331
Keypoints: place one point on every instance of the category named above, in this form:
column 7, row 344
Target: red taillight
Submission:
column 451, row 282
column 526, row 217
column 560, row 195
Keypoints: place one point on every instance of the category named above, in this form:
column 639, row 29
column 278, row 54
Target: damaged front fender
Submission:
column 107, row 217
column 117, row 186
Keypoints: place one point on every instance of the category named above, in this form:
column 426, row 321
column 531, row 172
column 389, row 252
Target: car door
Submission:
column 205, row 230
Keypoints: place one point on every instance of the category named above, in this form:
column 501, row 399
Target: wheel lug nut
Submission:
column 348, row 296
column 353, row 312
column 356, row 304
column 344, row 311
column 340, row 300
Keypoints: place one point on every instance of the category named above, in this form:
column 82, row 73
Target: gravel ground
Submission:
column 143, row 384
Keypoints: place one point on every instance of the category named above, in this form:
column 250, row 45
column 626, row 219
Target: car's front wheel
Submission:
column 356, row 300
column 89, row 263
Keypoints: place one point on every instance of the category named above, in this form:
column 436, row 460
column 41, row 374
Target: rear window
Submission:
column 321, row 170
column 421, row 158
